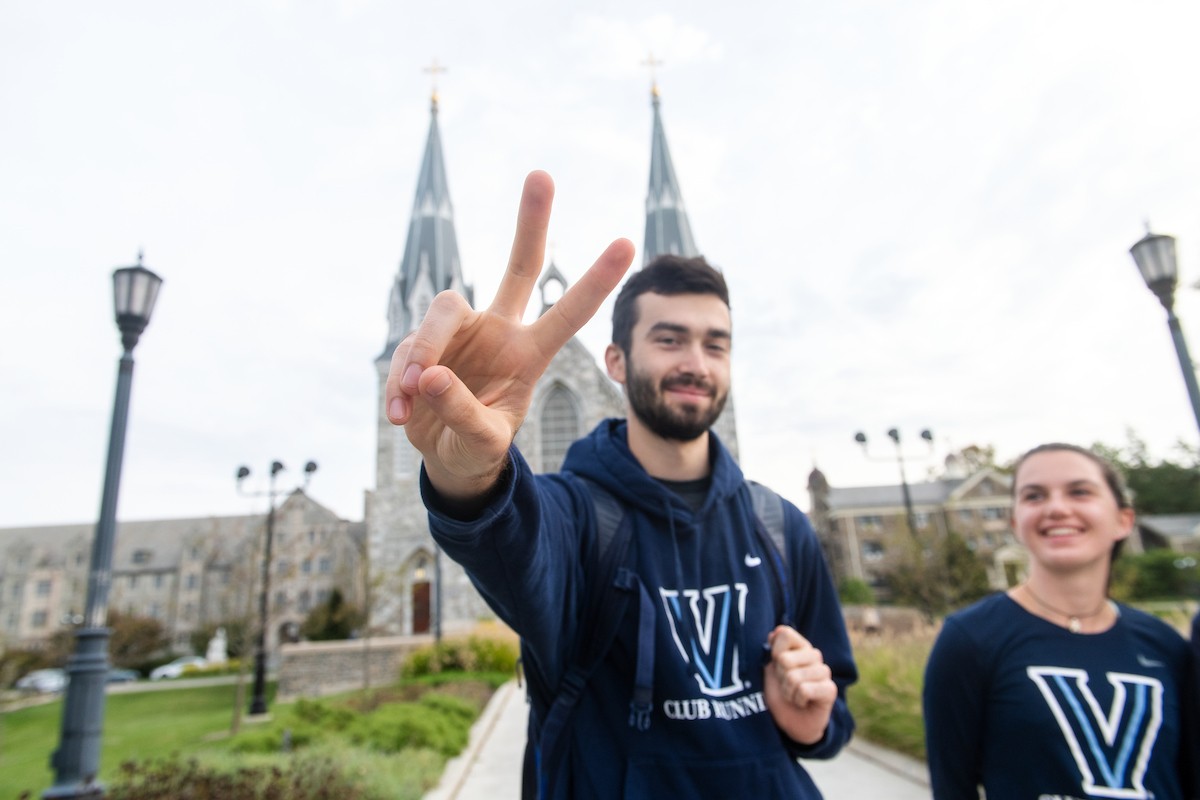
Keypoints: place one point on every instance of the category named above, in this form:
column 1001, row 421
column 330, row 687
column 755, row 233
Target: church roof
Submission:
column 667, row 226
column 431, row 249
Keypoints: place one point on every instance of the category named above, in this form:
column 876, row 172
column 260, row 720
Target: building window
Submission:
column 154, row 611
column 306, row 566
column 133, row 581
column 559, row 426
column 43, row 588
column 38, row 620
column 325, row 565
column 281, row 598
column 921, row 519
column 872, row 550
column 870, row 522
column 142, row 556
column 192, row 581
column 281, row 566
column 305, row 601
column 993, row 513
column 322, row 595
column 189, row 611
column 966, row 515
column 195, row 553
column 158, row 581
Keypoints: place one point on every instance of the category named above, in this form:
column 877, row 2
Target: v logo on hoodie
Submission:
column 706, row 625
column 1111, row 749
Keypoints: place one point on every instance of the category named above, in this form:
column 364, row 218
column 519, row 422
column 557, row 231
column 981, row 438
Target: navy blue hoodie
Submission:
column 715, row 599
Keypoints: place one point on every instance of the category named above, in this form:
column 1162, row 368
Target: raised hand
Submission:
column 462, row 382
column 798, row 686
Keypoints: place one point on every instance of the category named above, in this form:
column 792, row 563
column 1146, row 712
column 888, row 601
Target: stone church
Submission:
column 419, row 591
column 193, row 574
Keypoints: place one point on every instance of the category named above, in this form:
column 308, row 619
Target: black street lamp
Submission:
column 1154, row 255
column 76, row 762
column 258, row 702
column 894, row 435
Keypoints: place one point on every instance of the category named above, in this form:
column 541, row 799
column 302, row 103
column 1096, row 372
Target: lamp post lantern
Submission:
column 76, row 762
column 258, row 701
column 894, row 435
column 1154, row 255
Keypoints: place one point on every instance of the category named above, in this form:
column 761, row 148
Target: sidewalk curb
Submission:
column 899, row 764
column 459, row 767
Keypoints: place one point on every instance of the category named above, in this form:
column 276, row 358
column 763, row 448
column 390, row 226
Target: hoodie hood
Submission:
column 604, row 457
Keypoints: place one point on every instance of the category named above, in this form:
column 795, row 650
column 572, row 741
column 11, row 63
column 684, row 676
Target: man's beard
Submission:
column 683, row 424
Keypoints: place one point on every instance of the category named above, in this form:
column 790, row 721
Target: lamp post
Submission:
column 258, row 702
column 76, row 762
column 894, row 435
column 1154, row 255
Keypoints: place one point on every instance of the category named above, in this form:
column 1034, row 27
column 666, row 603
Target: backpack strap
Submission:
column 768, row 511
column 610, row 587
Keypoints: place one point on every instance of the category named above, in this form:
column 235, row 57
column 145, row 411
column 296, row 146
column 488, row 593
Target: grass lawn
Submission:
column 886, row 701
column 195, row 722
column 136, row 725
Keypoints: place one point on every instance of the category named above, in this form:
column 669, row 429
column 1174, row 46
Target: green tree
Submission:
column 856, row 592
column 132, row 641
column 937, row 578
column 135, row 640
column 1156, row 575
column 1162, row 486
column 335, row 619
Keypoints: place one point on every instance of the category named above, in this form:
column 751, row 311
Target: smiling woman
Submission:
column 1053, row 689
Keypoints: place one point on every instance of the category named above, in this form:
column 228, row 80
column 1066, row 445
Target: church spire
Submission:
column 430, row 263
column 667, row 226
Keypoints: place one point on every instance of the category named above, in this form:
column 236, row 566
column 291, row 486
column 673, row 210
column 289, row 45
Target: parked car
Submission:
column 177, row 667
column 123, row 675
column 43, row 680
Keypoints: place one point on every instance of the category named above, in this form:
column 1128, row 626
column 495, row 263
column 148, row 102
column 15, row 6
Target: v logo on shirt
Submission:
column 707, row 634
column 1111, row 750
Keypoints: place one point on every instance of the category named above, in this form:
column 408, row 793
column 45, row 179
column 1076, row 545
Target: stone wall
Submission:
column 313, row 669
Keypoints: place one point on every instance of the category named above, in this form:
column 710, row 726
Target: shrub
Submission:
column 856, row 592
column 886, row 701
column 394, row 728
column 473, row 654
column 168, row 779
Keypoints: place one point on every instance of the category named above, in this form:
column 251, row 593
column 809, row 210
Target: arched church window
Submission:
column 560, row 426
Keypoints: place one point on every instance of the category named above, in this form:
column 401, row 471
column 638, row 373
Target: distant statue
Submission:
column 217, row 649
column 872, row 624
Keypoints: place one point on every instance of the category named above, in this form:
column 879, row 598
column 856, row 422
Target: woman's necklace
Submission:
column 1074, row 621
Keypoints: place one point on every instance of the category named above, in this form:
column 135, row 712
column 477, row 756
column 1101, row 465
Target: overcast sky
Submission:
column 924, row 210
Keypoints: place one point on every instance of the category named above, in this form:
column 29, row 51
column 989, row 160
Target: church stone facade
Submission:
column 572, row 397
column 193, row 574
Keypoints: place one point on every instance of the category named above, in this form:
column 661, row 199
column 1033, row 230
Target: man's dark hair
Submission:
column 665, row 275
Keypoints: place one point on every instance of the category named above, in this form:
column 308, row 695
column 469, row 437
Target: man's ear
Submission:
column 614, row 361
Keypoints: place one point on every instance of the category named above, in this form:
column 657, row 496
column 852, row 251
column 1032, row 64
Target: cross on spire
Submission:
column 652, row 62
column 434, row 69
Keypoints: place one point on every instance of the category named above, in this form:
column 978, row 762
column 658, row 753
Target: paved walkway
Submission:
column 490, row 767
